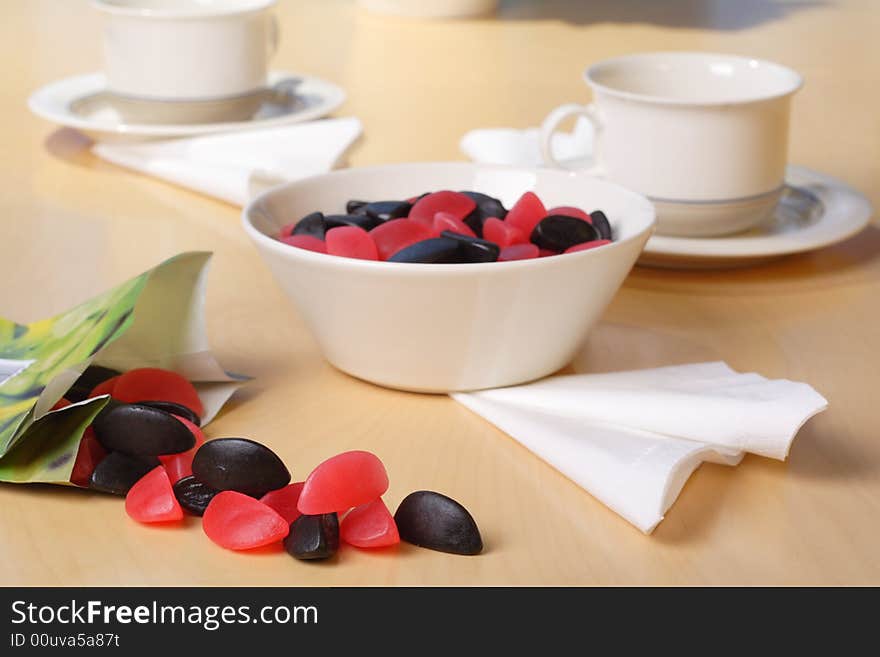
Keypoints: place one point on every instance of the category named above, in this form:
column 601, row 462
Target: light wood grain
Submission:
column 73, row 226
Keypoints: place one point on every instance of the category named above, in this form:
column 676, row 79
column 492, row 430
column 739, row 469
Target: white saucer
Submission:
column 815, row 211
column 82, row 102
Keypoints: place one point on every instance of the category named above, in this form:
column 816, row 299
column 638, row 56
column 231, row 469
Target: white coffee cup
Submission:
column 704, row 136
column 181, row 50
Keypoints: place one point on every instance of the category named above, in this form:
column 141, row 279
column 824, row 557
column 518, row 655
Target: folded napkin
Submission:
column 522, row 147
column 234, row 166
column 632, row 439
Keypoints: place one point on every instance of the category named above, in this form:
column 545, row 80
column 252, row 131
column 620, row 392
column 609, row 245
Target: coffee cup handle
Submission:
column 551, row 125
column 274, row 35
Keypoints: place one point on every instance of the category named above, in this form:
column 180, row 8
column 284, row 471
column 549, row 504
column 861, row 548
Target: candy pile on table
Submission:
column 449, row 227
column 146, row 444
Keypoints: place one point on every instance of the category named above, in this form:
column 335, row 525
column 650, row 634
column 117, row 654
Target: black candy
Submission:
column 312, row 224
column 313, row 537
column 91, row 377
column 241, row 465
column 116, row 473
column 193, row 495
column 473, row 249
column 365, row 221
column 437, row 250
column 437, row 522
column 174, row 409
column 558, row 232
column 139, row 430
column 487, row 206
column 353, row 206
column 383, row 211
column 601, row 224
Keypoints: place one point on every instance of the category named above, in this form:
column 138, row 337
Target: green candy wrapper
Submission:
column 153, row 320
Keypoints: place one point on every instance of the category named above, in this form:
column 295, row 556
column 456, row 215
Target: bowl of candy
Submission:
column 441, row 277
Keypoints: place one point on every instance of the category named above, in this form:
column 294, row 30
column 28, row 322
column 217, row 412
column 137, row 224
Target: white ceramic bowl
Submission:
column 441, row 328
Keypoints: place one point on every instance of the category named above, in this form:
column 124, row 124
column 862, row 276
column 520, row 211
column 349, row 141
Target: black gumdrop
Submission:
column 313, row 537
column 312, row 224
column 383, row 211
column 473, row 249
column 437, row 250
column 601, row 224
column 353, row 206
column 437, row 522
column 193, row 495
column 241, row 465
column 174, row 409
column 140, row 430
column 116, row 473
column 364, row 221
column 487, row 206
column 91, row 376
column 558, row 232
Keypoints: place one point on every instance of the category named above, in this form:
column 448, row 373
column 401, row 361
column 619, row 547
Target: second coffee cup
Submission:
column 704, row 136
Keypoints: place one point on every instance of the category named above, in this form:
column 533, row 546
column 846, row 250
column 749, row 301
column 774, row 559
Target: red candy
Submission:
column 284, row 500
column 343, row 481
column 369, row 526
column 307, row 242
column 543, row 253
column 287, row 229
column 154, row 384
column 445, row 221
column 152, row 499
column 454, row 203
column 526, row 213
column 179, row 466
column 518, row 252
column 90, row 453
column 569, row 211
column 105, row 387
column 397, row 234
column 351, row 242
column 502, row 233
column 586, row 246
column 238, row 522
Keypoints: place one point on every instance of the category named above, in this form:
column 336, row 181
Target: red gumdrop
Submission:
column 179, row 465
column 502, row 233
column 543, row 253
column 343, row 481
column 369, row 526
column 155, row 384
column 105, row 387
column 570, row 211
column 90, row 453
column 526, row 213
column 445, row 221
column 284, row 500
column 397, row 234
column 307, row 242
column 586, row 246
column 287, row 229
column 152, row 498
column 518, row 252
column 237, row 521
column 351, row 242
column 61, row 403
column 456, row 204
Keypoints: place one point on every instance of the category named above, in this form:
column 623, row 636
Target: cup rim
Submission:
column 261, row 239
column 796, row 80
column 243, row 7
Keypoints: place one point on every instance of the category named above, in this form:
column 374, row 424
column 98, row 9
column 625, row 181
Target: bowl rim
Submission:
column 261, row 239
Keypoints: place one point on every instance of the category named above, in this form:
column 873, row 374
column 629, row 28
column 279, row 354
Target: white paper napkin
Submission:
column 522, row 147
column 632, row 439
column 234, row 166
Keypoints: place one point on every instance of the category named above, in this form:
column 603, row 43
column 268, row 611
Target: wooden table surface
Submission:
column 74, row 226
